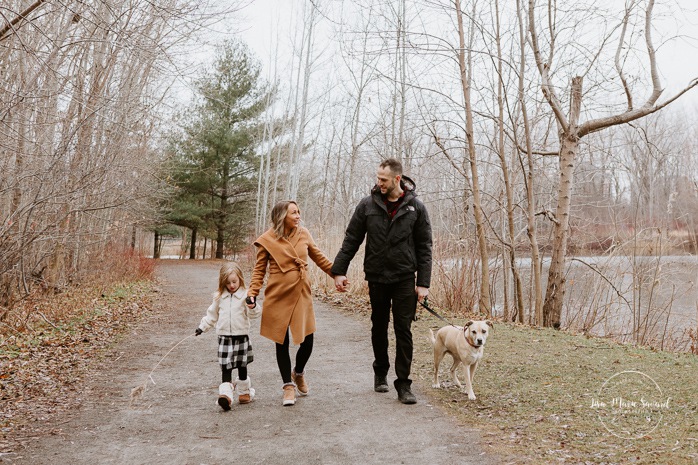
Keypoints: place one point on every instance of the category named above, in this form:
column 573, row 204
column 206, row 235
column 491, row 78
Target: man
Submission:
column 398, row 244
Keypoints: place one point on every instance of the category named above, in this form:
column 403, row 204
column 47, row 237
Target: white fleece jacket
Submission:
column 230, row 314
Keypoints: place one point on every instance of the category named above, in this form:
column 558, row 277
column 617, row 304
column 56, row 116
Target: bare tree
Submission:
column 466, row 76
column 572, row 129
column 80, row 91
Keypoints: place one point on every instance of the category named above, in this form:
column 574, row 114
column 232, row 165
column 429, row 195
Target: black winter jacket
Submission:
column 395, row 249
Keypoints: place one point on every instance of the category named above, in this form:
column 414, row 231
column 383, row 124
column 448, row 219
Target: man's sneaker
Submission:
column 301, row 385
column 404, row 394
column 380, row 384
column 225, row 396
column 289, row 394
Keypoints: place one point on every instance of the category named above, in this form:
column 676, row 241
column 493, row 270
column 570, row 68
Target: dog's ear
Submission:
column 489, row 323
column 468, row 323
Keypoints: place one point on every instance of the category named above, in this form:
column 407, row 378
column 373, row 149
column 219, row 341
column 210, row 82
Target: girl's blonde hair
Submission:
column 227, row 270
column 278, row 215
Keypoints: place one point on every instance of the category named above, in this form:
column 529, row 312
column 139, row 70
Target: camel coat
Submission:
column 288, row 302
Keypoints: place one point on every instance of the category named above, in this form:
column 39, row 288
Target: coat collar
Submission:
column 404, row 207
column 283, row 250
column 239, row 294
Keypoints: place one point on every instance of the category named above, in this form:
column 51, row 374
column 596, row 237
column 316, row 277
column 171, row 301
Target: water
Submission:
column 625, row 297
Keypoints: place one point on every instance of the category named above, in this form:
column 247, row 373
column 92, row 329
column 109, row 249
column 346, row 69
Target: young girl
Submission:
column 231, row 316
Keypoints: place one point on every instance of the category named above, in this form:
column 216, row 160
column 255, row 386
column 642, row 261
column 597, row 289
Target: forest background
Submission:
column 552, row 142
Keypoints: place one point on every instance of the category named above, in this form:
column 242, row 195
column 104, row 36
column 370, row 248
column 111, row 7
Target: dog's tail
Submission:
column 432, row 338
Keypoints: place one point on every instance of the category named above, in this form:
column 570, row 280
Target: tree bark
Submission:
column 465, row 78
column 157, row 244
column 192, row 247
column 569, row 142
column 511, row 246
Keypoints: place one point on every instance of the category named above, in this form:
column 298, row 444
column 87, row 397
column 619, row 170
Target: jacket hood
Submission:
column 406, row 183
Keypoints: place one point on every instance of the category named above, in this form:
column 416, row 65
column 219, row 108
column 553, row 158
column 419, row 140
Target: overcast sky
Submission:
column 265, row 24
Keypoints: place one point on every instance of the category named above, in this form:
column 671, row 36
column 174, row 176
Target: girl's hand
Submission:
column 251, row 302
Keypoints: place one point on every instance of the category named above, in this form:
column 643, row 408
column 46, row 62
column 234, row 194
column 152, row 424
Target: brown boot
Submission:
column 301, row 385
column 289, row 394
column 245, row 391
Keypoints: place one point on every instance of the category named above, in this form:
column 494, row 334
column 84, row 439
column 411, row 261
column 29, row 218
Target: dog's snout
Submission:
column 479, row 341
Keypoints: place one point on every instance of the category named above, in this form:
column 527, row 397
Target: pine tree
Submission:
column 213, row 162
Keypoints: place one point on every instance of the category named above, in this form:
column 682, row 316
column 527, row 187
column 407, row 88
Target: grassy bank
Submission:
column 539, row 393
column 42, row 366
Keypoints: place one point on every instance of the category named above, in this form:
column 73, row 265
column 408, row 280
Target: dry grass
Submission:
column 44, row 360
column 535, row 389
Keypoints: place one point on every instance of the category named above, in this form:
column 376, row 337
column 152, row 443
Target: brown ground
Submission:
column 176, row 420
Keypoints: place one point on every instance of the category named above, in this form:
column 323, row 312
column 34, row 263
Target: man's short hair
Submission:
column 394, row 165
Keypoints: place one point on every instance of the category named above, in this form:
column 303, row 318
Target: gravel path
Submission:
column 177, row 421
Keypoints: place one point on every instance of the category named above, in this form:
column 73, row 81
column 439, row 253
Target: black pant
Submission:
column 403, row 299
column 283, row 358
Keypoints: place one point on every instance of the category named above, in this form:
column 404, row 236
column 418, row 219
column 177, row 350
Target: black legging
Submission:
column 283, row 358
column 228, row 374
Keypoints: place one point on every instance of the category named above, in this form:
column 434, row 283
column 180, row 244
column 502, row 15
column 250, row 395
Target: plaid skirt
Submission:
column 234, row 351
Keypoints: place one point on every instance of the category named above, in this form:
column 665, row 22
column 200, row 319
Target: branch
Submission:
column 656, row 85
column 605, row 279
column 549, row 215
column 543, row 68
column 626, row 88
column 443, row 149
column 602, row 123
column 23, row 15
column 537, row 152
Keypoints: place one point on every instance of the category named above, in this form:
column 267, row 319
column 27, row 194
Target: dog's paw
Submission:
column 436, row 385
column 471, row 396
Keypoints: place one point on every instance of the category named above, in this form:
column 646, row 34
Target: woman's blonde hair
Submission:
column 278, row 215
column 227, row 270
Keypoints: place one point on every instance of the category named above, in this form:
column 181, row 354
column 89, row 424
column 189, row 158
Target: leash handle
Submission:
column 425, row 304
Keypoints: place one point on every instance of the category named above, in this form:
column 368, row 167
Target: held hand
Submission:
column 341, row 283
column 422, row 293
column 251, row 302
column 197, row 332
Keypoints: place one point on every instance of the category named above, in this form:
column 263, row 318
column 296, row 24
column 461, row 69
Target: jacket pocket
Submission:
column 377, row 222
column 402, row 258
column 403, row 228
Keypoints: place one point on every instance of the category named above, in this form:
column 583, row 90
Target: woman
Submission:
column 288, row 304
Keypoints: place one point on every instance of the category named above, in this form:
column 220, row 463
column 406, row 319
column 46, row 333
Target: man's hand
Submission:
column 422, row 293
column 341, row 283
column 251, row 302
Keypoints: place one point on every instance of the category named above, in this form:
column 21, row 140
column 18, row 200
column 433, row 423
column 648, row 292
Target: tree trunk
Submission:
column 219, row 243
column 569, row 143
column 555, row 292
column 157, row 245
column 530, row 178
column 484, row 301
column 192, row 247
column 518, row 288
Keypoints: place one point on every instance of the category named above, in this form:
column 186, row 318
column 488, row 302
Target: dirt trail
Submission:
column 177, row 421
